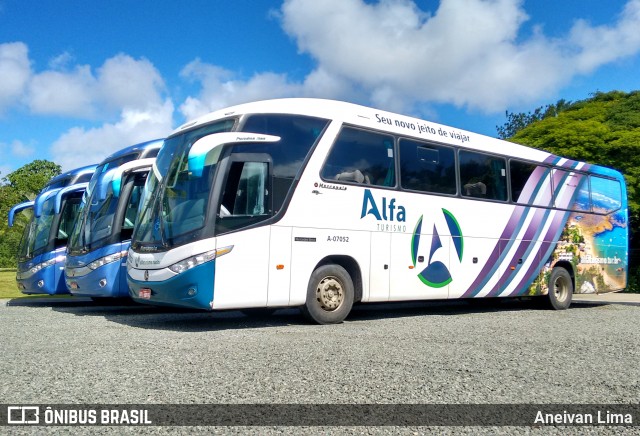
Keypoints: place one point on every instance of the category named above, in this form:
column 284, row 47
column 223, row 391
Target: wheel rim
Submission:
column 330, row 293
column 561, row 288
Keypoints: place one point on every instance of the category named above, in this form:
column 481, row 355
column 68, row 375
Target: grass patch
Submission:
column 9, row 289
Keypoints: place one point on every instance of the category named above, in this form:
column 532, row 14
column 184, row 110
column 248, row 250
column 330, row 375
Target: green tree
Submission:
column 518, row 121
column 17, row 187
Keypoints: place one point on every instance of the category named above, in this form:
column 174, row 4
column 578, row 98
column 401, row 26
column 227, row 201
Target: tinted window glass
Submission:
column 606, row 195
column 427, row 167
column 298, row 135
column 84, row 178
column 530, row 183
column 245, row 197
column 571, row 190
column 359, row 156
column 246, row 190
column 67, row 218
column 129, row 219
column 483, row 176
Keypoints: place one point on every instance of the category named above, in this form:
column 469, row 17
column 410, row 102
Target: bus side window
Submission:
column 427, row 167
column 483, row 176
column 606, row 194
column 571, row 190
column 67, row 219
column 363, row 157
column 530, row 183
column 246, row 198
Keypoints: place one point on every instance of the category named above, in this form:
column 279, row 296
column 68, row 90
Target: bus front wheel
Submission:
column 329, row 295
column 560, row 289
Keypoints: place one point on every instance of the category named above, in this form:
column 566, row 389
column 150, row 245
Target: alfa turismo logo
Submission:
column 436, row 274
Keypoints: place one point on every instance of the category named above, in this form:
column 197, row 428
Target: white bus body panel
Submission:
column 242, row 276
column 379, row 276
column 279, row 255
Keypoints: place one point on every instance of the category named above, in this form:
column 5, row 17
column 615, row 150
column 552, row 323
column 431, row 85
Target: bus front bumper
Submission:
column 191, row 289
column 47, row 280
column 101, row 282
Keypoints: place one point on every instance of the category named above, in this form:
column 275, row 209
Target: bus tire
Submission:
column 329, row 295
column 560, row 289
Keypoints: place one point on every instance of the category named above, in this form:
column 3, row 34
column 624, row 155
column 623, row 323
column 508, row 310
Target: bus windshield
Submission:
column 173, row 201
column 258, row 176
column 97, row 211
column 36, row 235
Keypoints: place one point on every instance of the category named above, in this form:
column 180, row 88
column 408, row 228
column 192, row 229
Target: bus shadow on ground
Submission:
column 128, row 313
column 372, row 311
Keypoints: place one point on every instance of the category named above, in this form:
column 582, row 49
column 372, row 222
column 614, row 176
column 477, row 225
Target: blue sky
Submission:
column 79, row 80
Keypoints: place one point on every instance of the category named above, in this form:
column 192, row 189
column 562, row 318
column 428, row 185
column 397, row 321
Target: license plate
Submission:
column 145, row 293
column 73, row 285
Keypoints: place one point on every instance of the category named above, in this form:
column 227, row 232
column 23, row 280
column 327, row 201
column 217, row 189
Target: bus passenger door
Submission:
column 379, row 268
column 242, row 275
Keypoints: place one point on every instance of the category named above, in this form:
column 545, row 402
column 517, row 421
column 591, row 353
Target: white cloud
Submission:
column 61, row 61
column 14, row 149
column 125, row 94
column 15, row 71
column 468, row 52
column 126, row 82
column 63, row 93
column 5, row 170
column 80, row 146
column 122, row 82
column 596, row 46
column 220, row 88
column 20, row 149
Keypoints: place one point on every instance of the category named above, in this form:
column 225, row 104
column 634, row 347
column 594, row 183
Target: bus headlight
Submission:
column 38, row 267
column 199, row 259
column 42, row 265
column 107, row 259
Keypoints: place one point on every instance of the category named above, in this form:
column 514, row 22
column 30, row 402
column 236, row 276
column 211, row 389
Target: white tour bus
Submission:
column 320, row 204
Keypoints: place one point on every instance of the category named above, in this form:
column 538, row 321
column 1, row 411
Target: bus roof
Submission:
column 142, row 148
column 69, row 178
column 407, row 126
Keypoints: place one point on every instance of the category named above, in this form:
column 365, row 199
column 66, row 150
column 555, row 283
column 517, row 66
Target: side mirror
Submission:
column 119, row 172
column 41, row 199
column 68, row 190
column 204, row 145
column 17, row 208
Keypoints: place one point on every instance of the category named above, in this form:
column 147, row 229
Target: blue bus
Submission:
column 41, row 253
column 102, row 234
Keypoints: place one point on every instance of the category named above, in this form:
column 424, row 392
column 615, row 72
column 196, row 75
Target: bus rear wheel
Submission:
column 560, row 289
column 329, row 295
